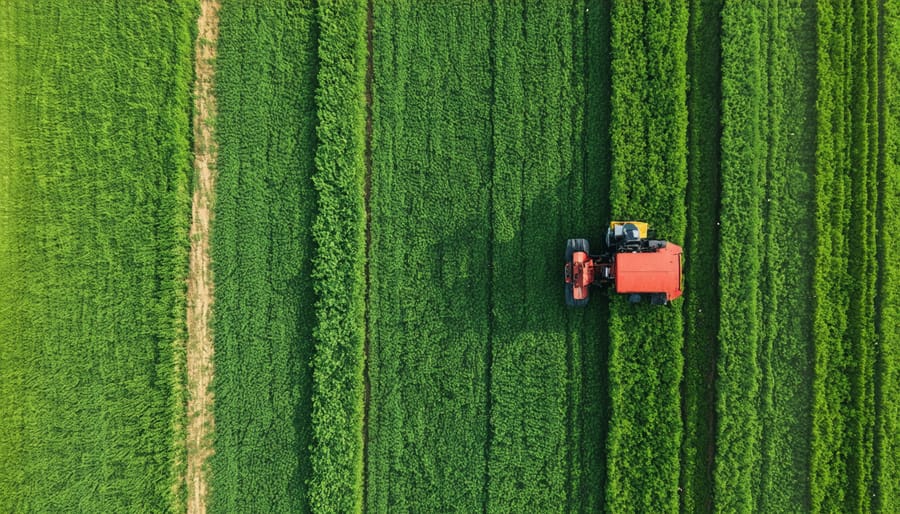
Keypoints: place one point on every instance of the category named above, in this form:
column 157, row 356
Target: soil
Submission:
column 200, row 350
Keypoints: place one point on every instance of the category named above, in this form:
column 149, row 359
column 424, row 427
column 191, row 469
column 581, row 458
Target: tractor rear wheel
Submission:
column 574, row 246
column 570, row 297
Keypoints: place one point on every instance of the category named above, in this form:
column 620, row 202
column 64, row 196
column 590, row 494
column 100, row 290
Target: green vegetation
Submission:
column 429, row 273
column 887, row 385
column 390, row 332
column 339, row 263
column 649, row 176
column 831, row 388
column 844, row 409
column 701, row 256
column 764, row 368
column 743, row 161
column 262, row 250
column 787, row 199
column 590, row 343
column 94, row 210
column 536, row 173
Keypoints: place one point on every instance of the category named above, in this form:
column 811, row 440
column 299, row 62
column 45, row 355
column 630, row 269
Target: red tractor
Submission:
column 632, row 262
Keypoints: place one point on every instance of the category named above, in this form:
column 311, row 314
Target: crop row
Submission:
column 93, row 238
column 844, row 285
column 339, row 233
column 649, row 175
column 786, row 200
column 887, row 386
column 289, row 243
column 767, row 143
column 742, row 162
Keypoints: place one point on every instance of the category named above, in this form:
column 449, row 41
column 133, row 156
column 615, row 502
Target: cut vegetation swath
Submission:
column 262, row 249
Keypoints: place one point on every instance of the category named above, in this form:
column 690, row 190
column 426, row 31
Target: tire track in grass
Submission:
column 200, row 349
column 701, row 305
column 590, row 327
column 367, row 185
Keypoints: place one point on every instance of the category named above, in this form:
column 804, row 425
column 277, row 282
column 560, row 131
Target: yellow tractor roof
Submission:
column 641, row 226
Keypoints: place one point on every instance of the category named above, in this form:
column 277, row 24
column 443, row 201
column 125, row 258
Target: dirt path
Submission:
column 200, row 422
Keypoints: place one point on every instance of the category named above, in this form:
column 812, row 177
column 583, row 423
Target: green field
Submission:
column 262, row 251
column 396, row 181
column 94, row 182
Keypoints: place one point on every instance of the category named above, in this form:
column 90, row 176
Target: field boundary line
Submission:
column 367, row 157
column 200, row 348
column 880, row 263
column 489, row 346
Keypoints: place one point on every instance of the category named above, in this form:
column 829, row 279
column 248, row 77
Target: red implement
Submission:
column 650, row 272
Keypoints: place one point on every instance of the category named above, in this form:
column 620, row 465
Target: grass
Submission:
column 763, row 136
column 844, row 401
column 339, row 263
column 537, row 171
column 649, row 176
column 887, row 378
column 262, row 252
column 93, row 234
column 701, row 306
column 787, row 201
column 743, row 160
column 429, row 301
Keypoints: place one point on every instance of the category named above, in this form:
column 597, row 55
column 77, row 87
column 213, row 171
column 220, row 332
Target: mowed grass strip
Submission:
column 649, row 175
column 262, row 250
column 536, row 152
column 93, row 235
column 788, row 203
column 339, row 263
column 430, row 234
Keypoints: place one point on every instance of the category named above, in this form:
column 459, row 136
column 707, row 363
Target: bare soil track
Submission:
column 200, row 422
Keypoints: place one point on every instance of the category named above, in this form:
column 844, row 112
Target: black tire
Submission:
column 570, row 250
column 658, row 299
column 570, row 297
column 582, row 245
